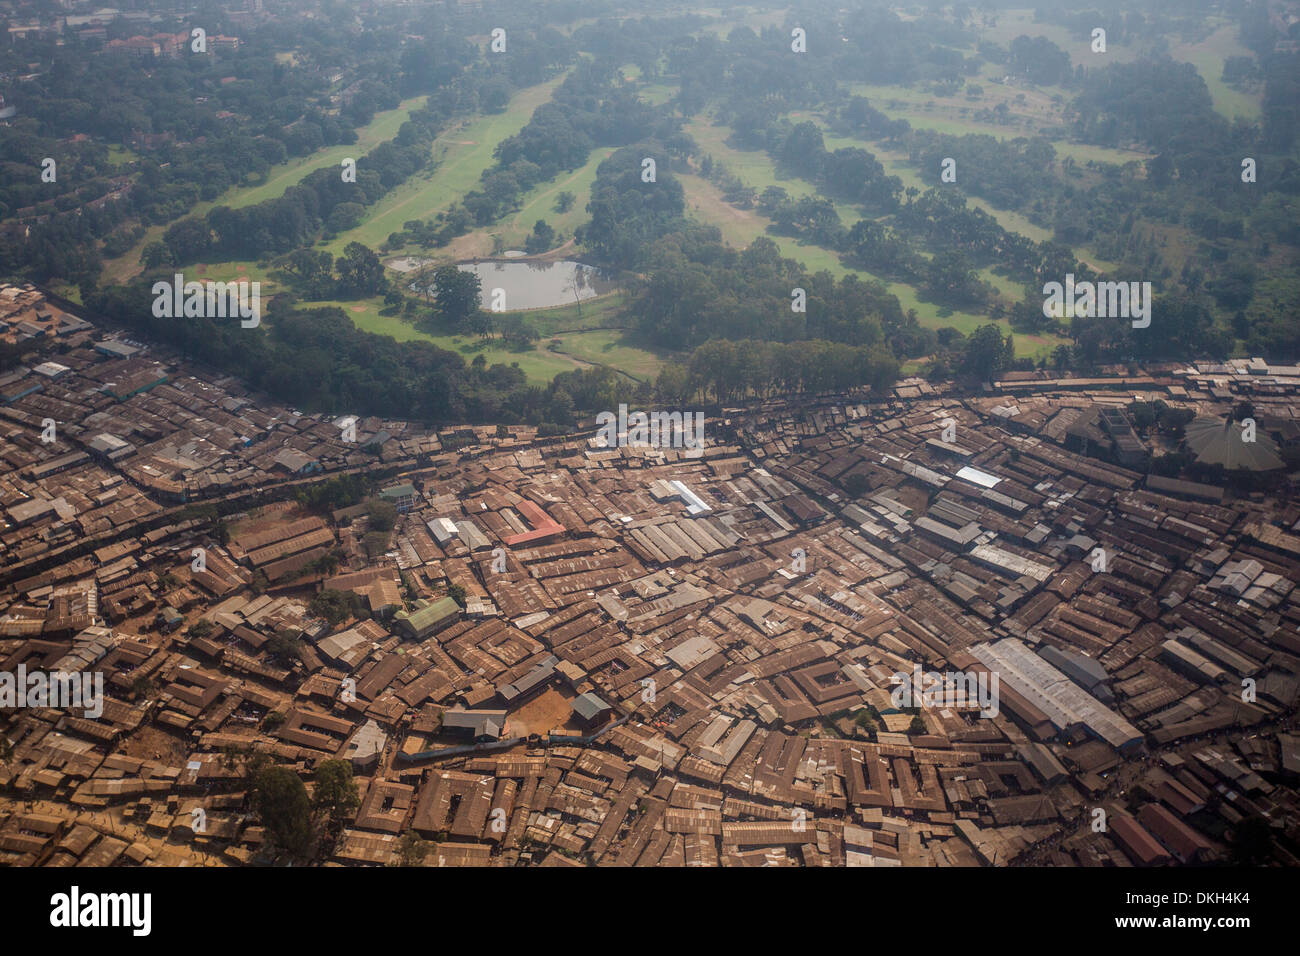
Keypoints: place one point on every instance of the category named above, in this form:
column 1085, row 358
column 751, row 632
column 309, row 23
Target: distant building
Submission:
column 477, row 725
column 531, row 683
column 169, row 619
column 402, row 496
column 428, row 619
column 591, row 711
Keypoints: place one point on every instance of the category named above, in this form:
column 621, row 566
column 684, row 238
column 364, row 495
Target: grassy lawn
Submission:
column 233, row 271
column 382, row 128
column 656, row 94
column 120, row 154
column 539, row 203
column 896, row 165
column 1014, row 23
column 539, row 366
column 754, row 167
column 942, row 114
column 461, row 154
column 739, row 227
column 583, row 340
column 611, row 347
column 603, row 312
column 1208, row 56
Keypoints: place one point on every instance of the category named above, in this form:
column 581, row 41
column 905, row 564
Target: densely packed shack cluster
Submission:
column 568, row 653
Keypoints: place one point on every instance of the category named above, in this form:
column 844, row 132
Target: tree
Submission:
column 345, row 216
column 360, row 271
column 411, row 849
column 457, row 292
column 375, row 543
column 951, row 280
column 986, row 353
column 314, row 270
column 541, row 238
column 516, row 331
column 564, row 201
column 1039, row 59
column 201, row 628
column 280, row 801
column 335, row 792
column 156, row 254
column 188, row 241
column 283, row 647
column 335, row 606
column 383, row 514
column 674, row 385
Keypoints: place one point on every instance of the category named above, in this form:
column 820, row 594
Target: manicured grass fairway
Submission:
column 462, row 153
column 539, row 367
column 539, row 203
column 610, row 347
column 740, row 227
column 597, row 346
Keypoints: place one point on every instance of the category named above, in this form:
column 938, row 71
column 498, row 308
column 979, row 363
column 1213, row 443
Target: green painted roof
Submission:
column 435, row 612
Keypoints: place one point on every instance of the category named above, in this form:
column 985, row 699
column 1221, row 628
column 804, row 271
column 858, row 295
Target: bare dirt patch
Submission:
column 550, row 711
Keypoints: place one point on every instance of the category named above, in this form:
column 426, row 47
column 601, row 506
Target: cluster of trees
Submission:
column 695, row 288
column 456, row 296
column 319, row 275
column 851, row 174
column 297, row 824
column 297, row 217
column 1039, row 60
column 629, row 214
column 541, row 238
column 1151, row 101
column 198, row 132
column 936, row 241
column 982, row 356
column 728, row 371
column 324, row 201
column 210, row 134
column 1195, row 180
column 341, row 491
column 1009, row 173
column 858, row 117
column 317, row 359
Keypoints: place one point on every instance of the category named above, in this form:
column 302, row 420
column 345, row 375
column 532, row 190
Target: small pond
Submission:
column 532, row 285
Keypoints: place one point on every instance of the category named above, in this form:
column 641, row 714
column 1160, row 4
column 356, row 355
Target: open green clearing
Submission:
column 613, row 347
column 571, row 338
column 539, row 203
column 1013, row 23
column 1206, row 55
